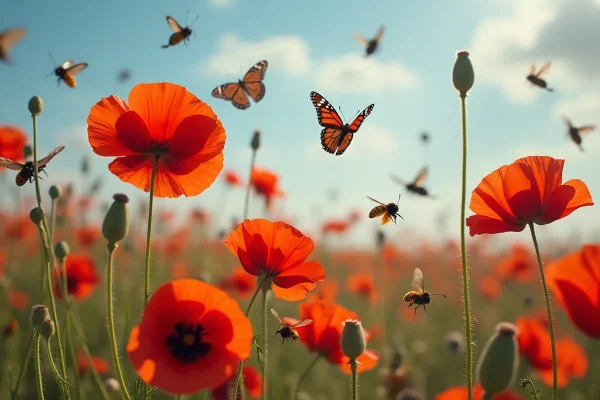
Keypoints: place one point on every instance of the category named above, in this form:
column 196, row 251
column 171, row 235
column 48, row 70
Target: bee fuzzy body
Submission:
column 287, row 332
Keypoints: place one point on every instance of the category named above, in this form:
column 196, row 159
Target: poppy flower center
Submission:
column 185, row 343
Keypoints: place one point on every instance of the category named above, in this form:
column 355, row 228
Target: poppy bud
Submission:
column 116, row 222
column 54, row 192
column 255, row 143
column 36, row 216
column 463, row 75
column 36, row 106
column 112, row 385
column 27, row 151
column 61, row 250
column 46, row 329
column 39, row 313
column 353, row 339
column 499, row 360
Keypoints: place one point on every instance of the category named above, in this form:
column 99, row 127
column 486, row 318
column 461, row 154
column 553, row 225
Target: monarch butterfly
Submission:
column 536, row 78
column 179, row 33
column 67, row 72
column 337, row 136
column 251, row 85
column 26, row 171
column 575, row 132
column 370, row 45
column 9, row 39
column 415, row 186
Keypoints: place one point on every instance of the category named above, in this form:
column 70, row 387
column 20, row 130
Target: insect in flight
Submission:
column 26, row 171
column 179, row 33
column 251, row 85
column 389, row 211
column 67, row 71
column 370, row 45
column 336, row 136
column 419, row 295
column 425, row 137
column 575, row 132
column 9, row 39
column 536, row 78
column 415, row 186
column 287, row 331
column 123, row 76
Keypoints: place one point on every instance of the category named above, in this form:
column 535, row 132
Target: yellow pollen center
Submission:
column 189, row 340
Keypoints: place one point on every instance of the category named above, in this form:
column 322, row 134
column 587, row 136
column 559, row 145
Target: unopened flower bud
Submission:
column 463, row 75
column 116, row 222
column 54, row 192
column 39, row 313
column 353, row 339
column 27, row 151
column 255, row 143
column 46, row 329
column 36, row 215
column 61, row 250
column 36, row 106
column 499, row 359
column 111, row 385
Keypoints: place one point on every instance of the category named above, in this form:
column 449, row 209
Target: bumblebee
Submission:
column 389, row 211
column 419, row 295
column 26, row 171
column 370, row 45
column 415, row 186
column 287, row 331
column 180, row 34
column 67, row 72
column 575, row 132
column 536, row 77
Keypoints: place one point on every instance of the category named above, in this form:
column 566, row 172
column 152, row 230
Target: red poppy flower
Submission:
column 490, row 287
column 519, row 265
column 232, row 179
column 100, row 364
column 87, row 235
column 323, row 336
column 20, row 228
column 240, row 283
column 192, row 336
column 363, row 285
column 279, row 251
column 461, row 393
column 528, row 190
column 17, row 298
column 575, row 283
column 12, row 143
column 165, row 122
column 252, row 383
column 572, row 363
column 265, row 183
column 82, row 278
column 336, row 226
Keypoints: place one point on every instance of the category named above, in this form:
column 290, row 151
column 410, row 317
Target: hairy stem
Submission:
column 31, row 346
column 38, row 368
column 247, row 200
column 265, row 345
column 354, row 366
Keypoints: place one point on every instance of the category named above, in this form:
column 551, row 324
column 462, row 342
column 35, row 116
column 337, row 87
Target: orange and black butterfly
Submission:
column 180, row 34
column 337, row 136
column 389, row 211
column 575, row 132
column 251, row 85
column 9, row 39
column 370, row 45
column 536, row 77
column 415, row 186
column 26, row 171
column 67, row 72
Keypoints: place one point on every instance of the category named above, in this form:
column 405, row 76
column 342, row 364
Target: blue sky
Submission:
column 309, row 46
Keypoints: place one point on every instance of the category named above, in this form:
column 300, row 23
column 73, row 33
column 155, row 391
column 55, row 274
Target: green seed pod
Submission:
column 36, row 106
column 46, row 329
column 116, row 222
column 36, row 216
column 39, row 313
column 499, row 359
column 255, row 143
column 353, row 339
column 27, row 151
column 463, row 75
column 61, row 250
column 54, row 192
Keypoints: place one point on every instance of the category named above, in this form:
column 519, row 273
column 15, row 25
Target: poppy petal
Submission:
column 309, row 272
column 133, row 133
column 544, row 174
column 368, row 360
column 488, row 198
column 479, row 225
column 197, row 134
column 102, row 133
column 294, row 293
column 579, row 307
column 567, row 198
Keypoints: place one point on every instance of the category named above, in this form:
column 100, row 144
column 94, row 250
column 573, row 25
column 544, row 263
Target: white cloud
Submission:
column 289, row 53
column 353, row 73
column 220, row 3
column 581, row 110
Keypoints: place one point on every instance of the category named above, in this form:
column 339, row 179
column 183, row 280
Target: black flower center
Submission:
column 185, row 343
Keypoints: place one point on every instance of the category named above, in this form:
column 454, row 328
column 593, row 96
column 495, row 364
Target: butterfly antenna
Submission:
column 233, row 77
column 342, row 113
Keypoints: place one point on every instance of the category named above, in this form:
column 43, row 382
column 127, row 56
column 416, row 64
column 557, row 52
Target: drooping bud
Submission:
column 116, row 222
column 499, row 359
column 27, row 151
column 255, row 143
column 463, row 75
column 61, row 250
column 54, row 192
column 46, row 329
column 36, row 106
column 36, row 216
column 112, row 385
column 39, row 313
column 353, row 339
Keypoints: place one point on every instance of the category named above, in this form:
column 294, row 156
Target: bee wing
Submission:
column 386, row 218
column 10, row 164
column 67, row 64
column 276, row 316
column 397, row 179
column 532, row 69
column 361, row 39
column 544, row 69
column 379, row 33
column 422, row 176
column 417, row 281
column 50, row 156
column 302, row 323
column 77, row 68
column 174, row 25
column 376, row 201
column 586, row 128
column 567, row 122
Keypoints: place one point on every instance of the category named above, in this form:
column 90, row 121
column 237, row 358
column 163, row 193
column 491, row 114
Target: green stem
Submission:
column 24, row 366
column 247, row 200
column 463, row 249
column 304, row 375
column 353, row 365
column 52, row 221
column 38, row 368
column 69, row 333
column 548, row 311
column 59, row 379
column 387, row 328
column 111, row 319
column 208, row 395
column 88, row 356
column 265, row 345
column 241, row 364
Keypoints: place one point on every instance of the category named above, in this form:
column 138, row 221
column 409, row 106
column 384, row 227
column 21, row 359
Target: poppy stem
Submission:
column 111, row 318
column 354, row 379
column 38, row 368
column 304, row 374
column 463, row 249
column 14, row 392
column 548, row 311
column 59, row 379
column 149, row 234
column 52, row 221
column 247, row 200
column 265, row 345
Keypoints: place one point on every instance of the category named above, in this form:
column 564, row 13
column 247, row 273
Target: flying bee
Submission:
column 287, row 331
column 67, row 71
column 179, row 33
column 575, row 133
column 9, row 39
column 389, row 211
column 370, row 45
column 425, row 137
column 416, row 186
column 536, row 78
column 419, row 295
column 26, row 171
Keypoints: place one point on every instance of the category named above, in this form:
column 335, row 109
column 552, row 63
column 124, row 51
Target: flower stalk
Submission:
column 38, row 368
column 265, row 345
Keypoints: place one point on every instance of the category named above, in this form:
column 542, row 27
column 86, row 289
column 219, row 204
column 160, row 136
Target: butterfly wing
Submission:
column 50, row 156
column 326, row 114
column 257, row 72
column 544, row 69
column 77, row 68
column 9, row 39
column 234, row 93
column 331, row 140
column 421, row 176
column 360, row 118
column 10, row 164
column 417, row 280
column 174, row 25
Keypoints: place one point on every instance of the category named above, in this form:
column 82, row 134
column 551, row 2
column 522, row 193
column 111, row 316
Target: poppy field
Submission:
column 134, row 296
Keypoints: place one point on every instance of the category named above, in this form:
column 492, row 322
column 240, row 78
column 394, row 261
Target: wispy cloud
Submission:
column 220, row 3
